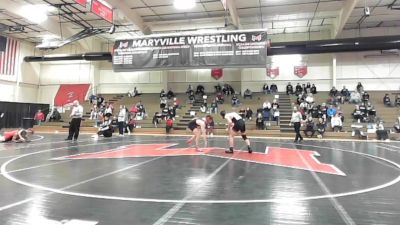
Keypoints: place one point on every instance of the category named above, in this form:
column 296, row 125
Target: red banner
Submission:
column 81, row 2
column 67, row 93
column 103, row 11
column 217, row 73
column 273, row 72
column 300, row 71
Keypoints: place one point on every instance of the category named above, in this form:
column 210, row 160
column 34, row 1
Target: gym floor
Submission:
column 160, row 180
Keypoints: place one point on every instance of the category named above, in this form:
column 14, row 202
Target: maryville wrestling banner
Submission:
column 230, row 49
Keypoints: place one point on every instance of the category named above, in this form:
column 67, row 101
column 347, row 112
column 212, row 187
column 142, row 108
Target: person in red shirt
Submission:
column 39, row 117
column 20, row 135
column 169, row 124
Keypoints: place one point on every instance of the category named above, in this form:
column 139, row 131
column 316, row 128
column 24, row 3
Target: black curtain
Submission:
column 16, row 114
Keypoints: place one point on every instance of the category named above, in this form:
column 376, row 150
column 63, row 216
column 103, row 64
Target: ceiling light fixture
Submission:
column 184, row 4
column 35, row 13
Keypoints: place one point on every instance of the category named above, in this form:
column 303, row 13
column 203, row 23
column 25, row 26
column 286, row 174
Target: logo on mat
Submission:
column 283, row 157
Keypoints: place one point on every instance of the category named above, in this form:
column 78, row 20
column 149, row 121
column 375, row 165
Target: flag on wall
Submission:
column 9, row 56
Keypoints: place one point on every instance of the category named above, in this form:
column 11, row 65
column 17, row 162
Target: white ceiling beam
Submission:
column 233, row 12
column 344, row 15
column 129, row 14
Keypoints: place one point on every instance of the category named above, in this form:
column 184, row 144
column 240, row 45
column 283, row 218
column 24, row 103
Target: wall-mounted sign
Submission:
column 81, row 2
column 300, row 71
column 273, row 72
column 217, row 73
column 227, row 49
column 102, row 10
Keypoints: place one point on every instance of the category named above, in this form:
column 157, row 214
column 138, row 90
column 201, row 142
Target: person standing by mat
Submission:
column 75, row 124
column 198, row 127
column 236, row 125
column 296, row 121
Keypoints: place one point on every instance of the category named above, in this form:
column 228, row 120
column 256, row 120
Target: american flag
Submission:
column 9, row 56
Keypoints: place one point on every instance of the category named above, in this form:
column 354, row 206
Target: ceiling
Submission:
column 138, row 17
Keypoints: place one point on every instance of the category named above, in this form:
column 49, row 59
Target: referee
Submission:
column 296, row 121
column 75, row 124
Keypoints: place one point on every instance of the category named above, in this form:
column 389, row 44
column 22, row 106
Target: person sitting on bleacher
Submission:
column 164, row 113
column 200, row 90
column 157, row 119
column 214, row 107
column 359, row 87
column 321, row 128
column 333, row 92
column 308, row 87
column 260, row 122
column 289, row 89
column 313, row 89
column 371, row 111
column 93, row 113
column 265, row 88
column 235, row 100
column 219, row 98
column 397, row 99
column 171, row 111
column 314, row 111
column 56, row 117
column 162, row 94
column 133, row 93
column 358, row 114
column 322, row 110
column 189, row 90
column 381, row 133
column 299, row 89
column 228, row 90
column 274, row 105
column 336, row 123
column 203, row 108
column 355, row 97
column 365, row 97
column 386, row 100
column 345, row 93
column 309, row 130
column 218, row 88
column 249, row 114
column 266, row 106
column 170, row 94
column 331, row 112
column 248, row 94
column 242, row 112
column 309, row 99
column 273, row 89
column 191, row 98
column 276, row 115
column 163, row 102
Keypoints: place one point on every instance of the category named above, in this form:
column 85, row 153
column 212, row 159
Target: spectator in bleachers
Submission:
column 214, row 107
column 359, row 87
column 371, row 110
column 205, row 97
column 170, row 94
column 109, row 110
column 273, row 89
column 228, row 90
column 365, row 97
column 235, row 100
column 309, row 131
column 309, row 99
column 313, row 89
column 358, row 114
column 308, row 88
column 39, row 117
column 260, row 122
column 265, row 88
column 249, row 114
column 289, row 89
column 189, row 90
column 314, row 111
column 386, row 100
column 157, row 119
column 203, row 108
column 381, row 133
column 100, row 101
column 219, row 98
column 191, row 98
column 93, row 112
column 172, row 111
column 133, row 93
column 55, row 116
column 397, row 100
column 299, row 89
column 141, row 107
column 345, row 93
column 248, row 94
column 218, row 88
column 163, row 102
column 321, row 128
column 200, row 90
column 355, row 97
column 333, row 92
column 322, row 112
column 266, row 106
column 164, row 113
column 336, row 123
column 266, row 115
column 242, row 112
column 275, row 116
column 162, row 94
column 92, row 99
column 303, row 86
